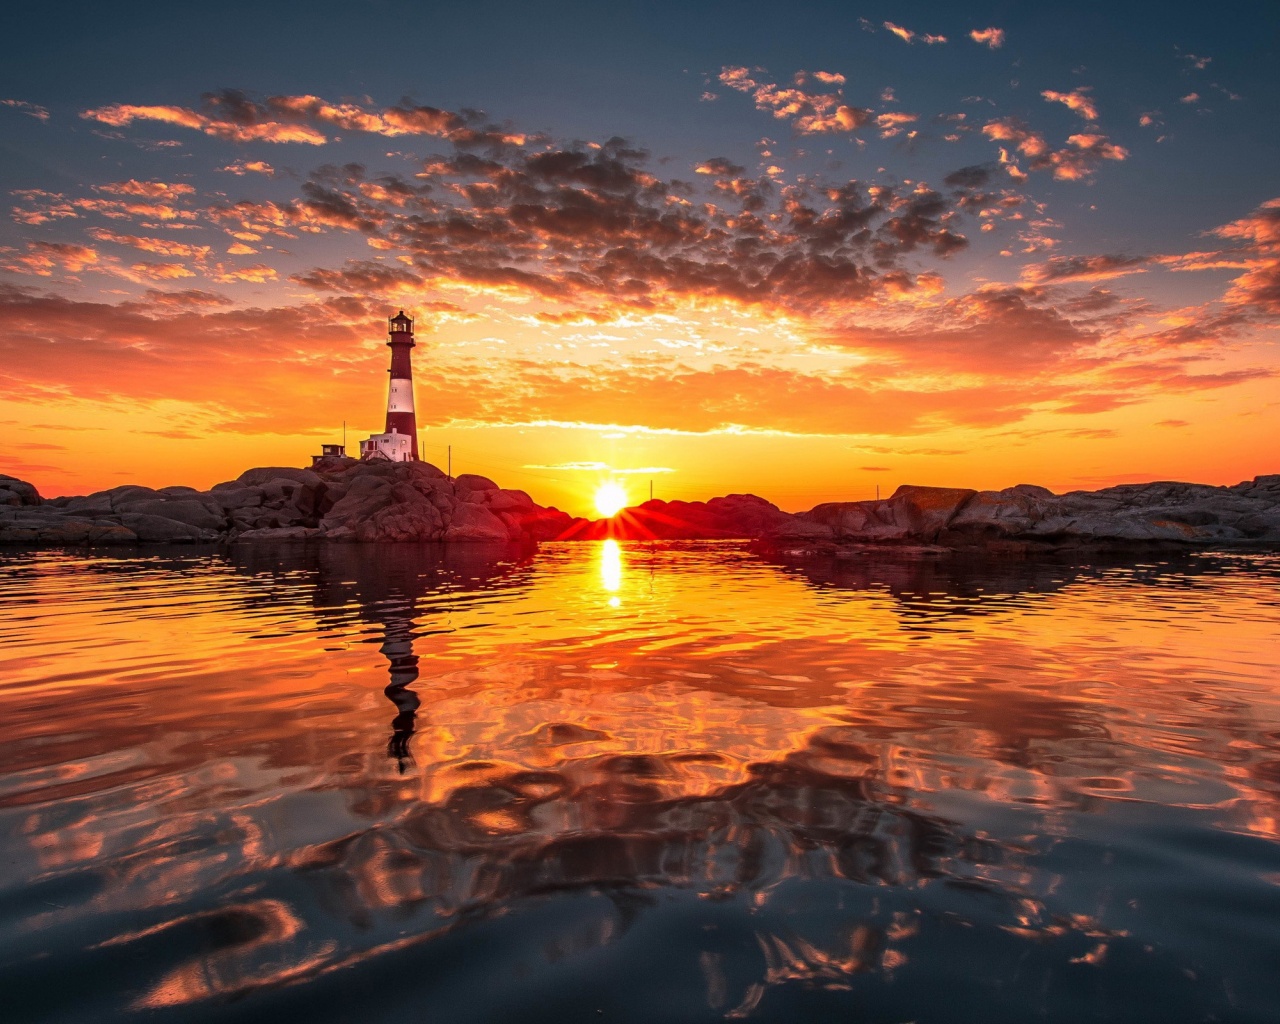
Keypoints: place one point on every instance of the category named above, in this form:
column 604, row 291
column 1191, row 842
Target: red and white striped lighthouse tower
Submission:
column 400, row 415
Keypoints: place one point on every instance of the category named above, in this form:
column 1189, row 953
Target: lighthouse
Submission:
column 399, row 443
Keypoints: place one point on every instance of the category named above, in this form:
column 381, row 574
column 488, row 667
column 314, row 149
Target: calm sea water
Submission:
column 636, row 783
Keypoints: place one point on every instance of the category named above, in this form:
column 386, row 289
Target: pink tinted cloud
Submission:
column 30, row 109
column 1077, row 100
column 44, row 258
column 243, row 167
column 146, row 189
column 810, row 113
column 120, row 114
column 992, row 38
column 1083, row 268
column 158, row 246
column 1077, row 161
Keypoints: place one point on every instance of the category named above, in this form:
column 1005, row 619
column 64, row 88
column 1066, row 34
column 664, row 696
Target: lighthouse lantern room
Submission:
column 399, row 441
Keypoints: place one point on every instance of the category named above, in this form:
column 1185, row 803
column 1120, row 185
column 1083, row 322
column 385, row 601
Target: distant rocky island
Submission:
column 341, row 499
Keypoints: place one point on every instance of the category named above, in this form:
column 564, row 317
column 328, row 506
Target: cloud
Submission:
column 120, row 114
column 810, row 113
column 237, row 117
column 43, row 258
column 30, row 109
column 997, row 331
column 1083, row 268
column 1077, row 100
column 258, row 273
column 905, row 34
column 162, row 271
column 1258, row 289
column 1261, row 228
column 243, row 167
column 992, row 38
column 146, row 189
column 1076, row 161
column 720, row 168
column 159, row 246
column 578, row 224
column 576, row 235
column 891, row 123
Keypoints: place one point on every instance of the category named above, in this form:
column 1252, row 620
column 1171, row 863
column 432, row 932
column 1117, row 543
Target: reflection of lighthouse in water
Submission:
column 397, row 646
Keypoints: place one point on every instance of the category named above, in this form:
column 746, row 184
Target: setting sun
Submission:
column 611, row 498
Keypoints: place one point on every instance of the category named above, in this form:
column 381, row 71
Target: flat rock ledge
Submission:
column 337, row 500
column 346, row 500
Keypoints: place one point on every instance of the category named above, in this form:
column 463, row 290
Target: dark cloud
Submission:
column 1084, row 268
column 971, row 177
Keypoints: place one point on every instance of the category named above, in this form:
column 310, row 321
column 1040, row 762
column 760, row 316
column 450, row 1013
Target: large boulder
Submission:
column 236, row 496
column 510, row 501
column 403, row 521
column 190, row 511
column 364, row 496
column 474, row 482
column 259, row 476
column 473, row 522
column 539, row 524
column 1002, row 514
column 17, row 493
column 48, row 526
column 926, row 511
column 159, row 530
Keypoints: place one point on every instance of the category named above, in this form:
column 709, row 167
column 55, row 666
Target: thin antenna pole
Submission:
column 651, row 488
column 344, row 437
column 877, row 492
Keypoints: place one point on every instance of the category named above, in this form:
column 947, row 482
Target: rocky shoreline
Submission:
column 345, row 500
column 336, row 500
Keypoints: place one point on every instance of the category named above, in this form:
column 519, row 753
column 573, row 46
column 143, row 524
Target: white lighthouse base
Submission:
column 392, row 447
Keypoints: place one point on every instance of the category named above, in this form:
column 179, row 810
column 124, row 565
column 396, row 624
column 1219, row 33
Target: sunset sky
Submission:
column 802, row 251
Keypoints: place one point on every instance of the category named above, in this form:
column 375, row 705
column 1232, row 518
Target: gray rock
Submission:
column 472, row 522
column 15, row 492
column 281, row 533
column 157, row 529
column 90, row 504
column 473, row 482
column 402, row 523
column 505, row 501
column 258, row 477
column 364, row 497
column 182, row 510
column 236, row 496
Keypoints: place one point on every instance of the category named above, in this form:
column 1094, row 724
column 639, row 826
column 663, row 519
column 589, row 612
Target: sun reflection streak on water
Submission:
column 266, row 763
column 611, row 570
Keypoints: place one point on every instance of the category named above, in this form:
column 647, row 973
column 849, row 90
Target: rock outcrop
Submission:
column 339, row 499
column 734, row 516
column 1027, row 517
column 345, row 500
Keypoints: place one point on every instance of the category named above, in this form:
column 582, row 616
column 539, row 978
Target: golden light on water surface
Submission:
column 611, row 570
